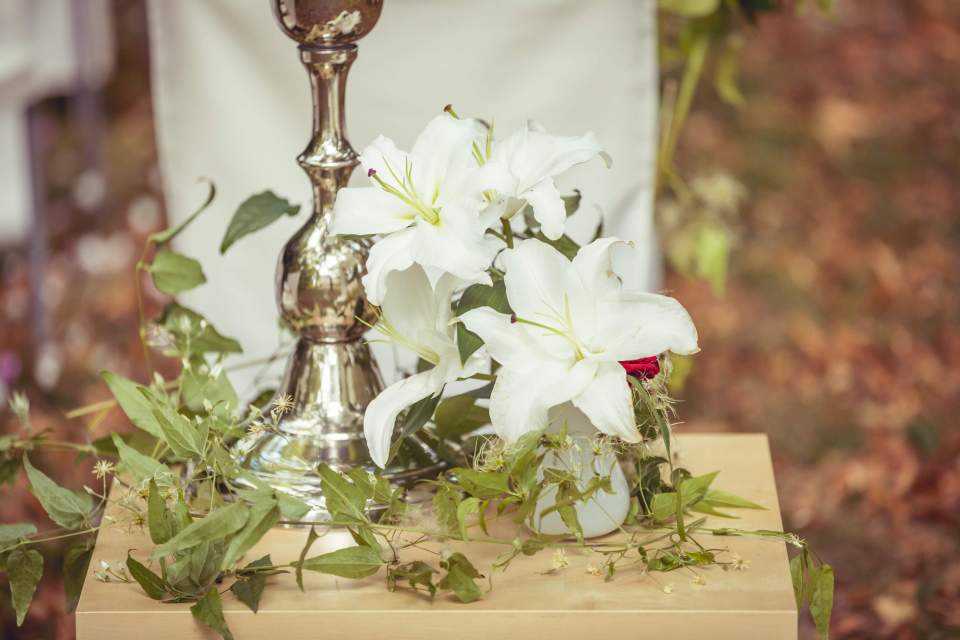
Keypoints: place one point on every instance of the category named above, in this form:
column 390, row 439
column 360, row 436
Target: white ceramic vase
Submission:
column 602, row 513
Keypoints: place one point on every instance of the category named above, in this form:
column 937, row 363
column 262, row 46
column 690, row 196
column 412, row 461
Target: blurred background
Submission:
column 834, row 326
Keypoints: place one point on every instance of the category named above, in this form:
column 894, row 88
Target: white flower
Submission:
column 573, row 324
column 425, row 204
column 417, row 317
column 523, row 166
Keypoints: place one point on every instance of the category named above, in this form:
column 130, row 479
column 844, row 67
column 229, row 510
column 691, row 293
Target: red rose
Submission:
column 642, row 368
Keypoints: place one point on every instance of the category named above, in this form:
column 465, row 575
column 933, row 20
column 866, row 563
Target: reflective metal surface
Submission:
column 331, row 375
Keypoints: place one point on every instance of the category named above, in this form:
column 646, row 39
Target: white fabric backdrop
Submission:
column 232, row 103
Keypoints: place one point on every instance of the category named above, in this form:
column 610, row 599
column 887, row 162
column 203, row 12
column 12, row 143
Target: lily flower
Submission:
column 573, row 325
column 416, row 316
column 423, row 203
column 522, row 167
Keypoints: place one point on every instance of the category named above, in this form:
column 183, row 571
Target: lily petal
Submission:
column 381, row 415
column 456, row 245
column 547, row 207
column 409, row 304
column 607, row 402
column 442, row 156
column 536, row 275
column 383, row 156
column 392, row 253
column 369, row 210
column 592, row 263
column 505, row 341
column 638, row 325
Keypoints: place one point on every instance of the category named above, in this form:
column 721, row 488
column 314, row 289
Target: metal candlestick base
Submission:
column 331, row 375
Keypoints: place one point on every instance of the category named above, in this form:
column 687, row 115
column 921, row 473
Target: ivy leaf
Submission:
column 291, row 507
column 693, row 489
column 133, row 399
column 11, row 533
column 255, row 213
column 152, row 584
column 413, row 420
column 249, row 588
column 160, row 521
column 724, row 499
column 218, row 524
column 165, row 236
column 69, row 509
column 464, row 510
column 821, row 598
column 25, row 568
column 474, row 296
column 797, row 578
column 190, row 328
column 262, row 517
column 173, row 273
column 75, row 565
column 481, row 484
column 457, row 416
column 138, row 465
column 415, row 573
column 460, row 578
column 352, row 562
column 341, row 496
column 184, row 439
column 446, row 502
column 196, row 387
column 209, row 611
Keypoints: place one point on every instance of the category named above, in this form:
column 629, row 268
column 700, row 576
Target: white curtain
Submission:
column 232, row 103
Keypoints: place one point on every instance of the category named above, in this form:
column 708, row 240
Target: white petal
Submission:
column 383, row 156
column 409, row 303
column 638, row 325
column 522, row 397
column 547, row 207
column 592, row 263
column 381, row 415
column 533, row 154
column 369, row 210
column 505, row 341
column 456, row 244
column 536, row 275
column 392, row 253
column 607, row 402
column 442, row 156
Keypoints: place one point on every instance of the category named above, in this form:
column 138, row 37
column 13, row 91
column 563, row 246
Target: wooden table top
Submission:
column 572, row 603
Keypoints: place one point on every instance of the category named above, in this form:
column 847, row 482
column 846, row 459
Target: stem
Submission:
column 507, row 232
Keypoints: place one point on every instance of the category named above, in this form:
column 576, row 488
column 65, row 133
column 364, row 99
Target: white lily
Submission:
column 573, row 324
column 424, row 203
column 522, row 167
column 417, row 317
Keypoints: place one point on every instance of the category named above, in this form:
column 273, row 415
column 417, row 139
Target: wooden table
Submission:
column 524, row 603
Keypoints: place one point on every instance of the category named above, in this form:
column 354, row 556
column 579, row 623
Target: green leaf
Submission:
column 446, row 501
column 152, row 584
column 311, row 538
column 464, row 510
column 725, row 76
column 255, row 213
column 249, row 588
column 69, row 509
column 821, row 598
column 712, row 255
column 209, row 611
column 190, row 328
column 165, row 236
column 460, row 578
column 291, row 507
column 457, row 416
column 173, row 273
column 11, row 533
column 475, row 296
column 352, row 562
column 133, row 399
column 663, row 505
column 413, row 420
column 689, row 8
column 160, row 520
column 797, row 578
column 184, row 439
column 415, row 573
column 341, row 497
column 693, row 489
column 25, row 568
column 718, row 498
column 571, row 203
column 467, row 342
column 564, row 244
column 218, row 524
column 75, row 564
column 263, row 516
column 196, row 387
column 138, row 465
column 482, row 484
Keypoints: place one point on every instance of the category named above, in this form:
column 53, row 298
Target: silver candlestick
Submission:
column 330, row 375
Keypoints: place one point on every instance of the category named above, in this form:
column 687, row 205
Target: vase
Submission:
column 605, row 511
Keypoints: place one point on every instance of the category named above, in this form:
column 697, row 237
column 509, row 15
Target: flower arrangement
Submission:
column 471, row 271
